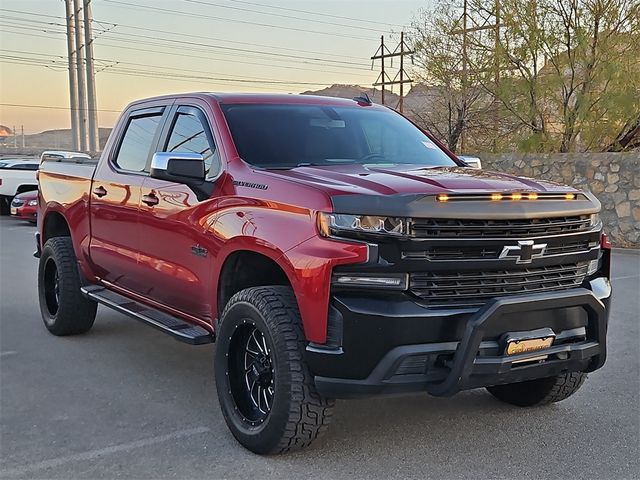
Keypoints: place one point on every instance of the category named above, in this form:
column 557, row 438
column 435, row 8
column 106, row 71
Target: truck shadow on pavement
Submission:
column 152, row 361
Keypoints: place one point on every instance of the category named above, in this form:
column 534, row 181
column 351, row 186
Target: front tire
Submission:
column 542, row 391
column 266, row 391
column 65, row 311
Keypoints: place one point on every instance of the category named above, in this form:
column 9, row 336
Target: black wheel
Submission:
column 542, row 391
column 266, row 391
column 65, row 311
column 5, row 205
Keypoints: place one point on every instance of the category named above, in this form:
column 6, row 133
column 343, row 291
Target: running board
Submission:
column 177, row 328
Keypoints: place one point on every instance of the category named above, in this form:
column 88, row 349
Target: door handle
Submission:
column 150, row 199
column 100, row 191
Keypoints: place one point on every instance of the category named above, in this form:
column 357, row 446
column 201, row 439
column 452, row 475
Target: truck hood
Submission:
column 410, row 191
column 410, row 179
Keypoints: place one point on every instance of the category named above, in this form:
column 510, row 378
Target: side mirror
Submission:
column 473, row 162
column 178, row 167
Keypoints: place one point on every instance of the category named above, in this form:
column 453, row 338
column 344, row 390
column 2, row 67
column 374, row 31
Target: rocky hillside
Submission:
column 419, row 100
column 350, row 91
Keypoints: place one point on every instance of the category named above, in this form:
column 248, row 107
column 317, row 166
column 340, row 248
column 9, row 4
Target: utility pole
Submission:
column 15, row 138
column 383, row 79
column 465, row 31
column 82, row 106
column 94, row 142
column 465, row 78
column 22, row 133
column 381, row 54
column 73, row 86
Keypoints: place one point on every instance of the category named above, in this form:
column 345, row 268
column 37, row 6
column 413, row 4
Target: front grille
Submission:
column 480, row 252
column 446, row 289
column 17, row 202
column 522, row 228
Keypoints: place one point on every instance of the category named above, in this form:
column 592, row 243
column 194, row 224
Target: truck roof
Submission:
column 264, row 98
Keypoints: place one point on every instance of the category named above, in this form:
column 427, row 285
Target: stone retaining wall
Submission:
column 613, row 177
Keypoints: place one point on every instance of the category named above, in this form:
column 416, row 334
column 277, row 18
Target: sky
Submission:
column 151, row 47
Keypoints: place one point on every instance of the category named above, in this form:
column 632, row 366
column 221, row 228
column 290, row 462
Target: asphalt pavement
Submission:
column 126, row 401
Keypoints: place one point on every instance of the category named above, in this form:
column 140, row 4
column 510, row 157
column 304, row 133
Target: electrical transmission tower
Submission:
column 402, row 50
column 478, row 24
column 82, row 93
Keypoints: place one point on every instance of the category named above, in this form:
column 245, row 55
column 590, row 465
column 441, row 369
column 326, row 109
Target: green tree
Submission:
column 558, row 75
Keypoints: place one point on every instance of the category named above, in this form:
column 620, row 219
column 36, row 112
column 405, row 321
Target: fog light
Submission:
column 594, row 266
column 392, row 281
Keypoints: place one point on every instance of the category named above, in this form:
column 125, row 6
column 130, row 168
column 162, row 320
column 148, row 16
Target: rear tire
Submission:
column 542, row 391
column 65, row 311
column 260, row 346
column 5, row 205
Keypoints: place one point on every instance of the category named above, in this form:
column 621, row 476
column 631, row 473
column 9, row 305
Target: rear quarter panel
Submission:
column 64, row 188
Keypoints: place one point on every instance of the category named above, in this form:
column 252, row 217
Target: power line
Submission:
column 110, row 62
column 316, row 13
column 335, row 63
column 280, row 15
column 245, row 22
column 103, row 43
column 235, row 49
column 50, row 107
column 137, row 27
column 167, row 75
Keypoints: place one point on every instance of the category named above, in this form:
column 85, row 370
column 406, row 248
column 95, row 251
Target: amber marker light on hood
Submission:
column 532, row 196
column 516, row 196
column 496, row 196
column 442, row 197
column 569, row 196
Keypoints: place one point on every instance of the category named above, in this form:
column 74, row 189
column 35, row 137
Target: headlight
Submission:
column 33, row 203
column 333, row 224
column 595, row 220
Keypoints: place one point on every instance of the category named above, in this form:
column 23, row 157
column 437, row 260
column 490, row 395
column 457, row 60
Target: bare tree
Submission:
column 453, row 105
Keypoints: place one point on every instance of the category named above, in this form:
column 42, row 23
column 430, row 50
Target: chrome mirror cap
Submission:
column 160, row 160
column 474, row 162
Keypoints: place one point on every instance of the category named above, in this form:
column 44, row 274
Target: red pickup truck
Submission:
column 331, row 249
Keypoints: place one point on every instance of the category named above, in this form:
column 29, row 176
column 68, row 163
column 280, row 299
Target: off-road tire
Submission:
column 542, row 391
column 68, row 313
column 299, row 414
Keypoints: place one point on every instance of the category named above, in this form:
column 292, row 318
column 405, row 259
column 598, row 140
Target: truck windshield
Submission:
column 289, row 136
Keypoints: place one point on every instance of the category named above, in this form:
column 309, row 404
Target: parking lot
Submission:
column 125, row 401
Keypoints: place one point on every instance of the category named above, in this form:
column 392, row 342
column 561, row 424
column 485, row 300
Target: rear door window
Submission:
column 137, row 141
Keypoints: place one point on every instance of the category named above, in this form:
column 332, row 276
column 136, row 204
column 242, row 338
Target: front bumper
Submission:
column 395, row 347
column 25, row 212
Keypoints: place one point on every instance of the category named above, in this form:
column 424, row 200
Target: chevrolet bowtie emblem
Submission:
column 524, row 252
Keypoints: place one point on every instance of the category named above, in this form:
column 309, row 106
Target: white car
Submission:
column 17, row 175
column 59, row 156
